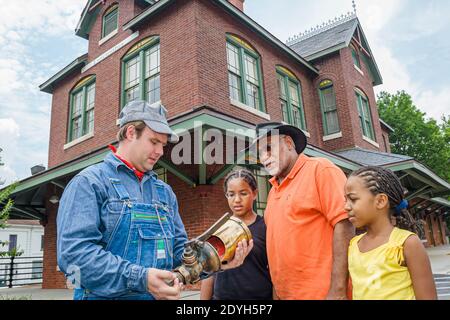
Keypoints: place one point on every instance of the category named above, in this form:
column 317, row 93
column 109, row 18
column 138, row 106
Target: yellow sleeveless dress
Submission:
column 379, row 274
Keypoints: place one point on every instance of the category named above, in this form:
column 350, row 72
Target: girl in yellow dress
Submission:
column 385, row 263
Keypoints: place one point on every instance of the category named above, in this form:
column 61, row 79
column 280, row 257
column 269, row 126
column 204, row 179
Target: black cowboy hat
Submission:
column 278, row 128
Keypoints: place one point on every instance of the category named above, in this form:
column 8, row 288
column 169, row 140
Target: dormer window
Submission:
column 355, row 57
column 110, row 21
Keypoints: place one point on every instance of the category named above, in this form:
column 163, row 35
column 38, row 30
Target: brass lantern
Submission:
column 205, row 255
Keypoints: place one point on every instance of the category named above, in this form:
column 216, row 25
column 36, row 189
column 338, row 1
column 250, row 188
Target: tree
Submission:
column 7, row 204
column 415, row 136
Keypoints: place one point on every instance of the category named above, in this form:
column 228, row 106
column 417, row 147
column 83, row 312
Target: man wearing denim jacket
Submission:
column 119, row 229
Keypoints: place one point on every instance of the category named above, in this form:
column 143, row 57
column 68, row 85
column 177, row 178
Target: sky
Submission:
column 409, row 40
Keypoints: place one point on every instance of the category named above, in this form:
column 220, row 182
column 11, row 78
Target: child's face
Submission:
column 360, row 203
column 240, row 196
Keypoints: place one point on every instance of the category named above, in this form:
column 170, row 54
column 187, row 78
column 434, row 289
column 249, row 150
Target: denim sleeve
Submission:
column 180, row 233
column 79, row 252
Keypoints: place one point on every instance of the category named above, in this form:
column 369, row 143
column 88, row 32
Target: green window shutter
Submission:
column 110, row 21
column 329, row 108
column 141, row 72
column 244, row 73
column 82, row 104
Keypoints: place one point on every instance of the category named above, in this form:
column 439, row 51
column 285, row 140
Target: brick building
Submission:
column 213, row 67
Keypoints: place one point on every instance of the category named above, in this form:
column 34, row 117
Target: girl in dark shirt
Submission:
column 250, row 281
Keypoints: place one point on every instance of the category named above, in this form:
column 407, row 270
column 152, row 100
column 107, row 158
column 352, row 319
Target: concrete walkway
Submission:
column 36, row 292
column 440, row 265
column 439, row 258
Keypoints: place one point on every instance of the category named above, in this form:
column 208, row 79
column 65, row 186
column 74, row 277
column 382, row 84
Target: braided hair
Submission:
column 380, row 180
column 242, row 174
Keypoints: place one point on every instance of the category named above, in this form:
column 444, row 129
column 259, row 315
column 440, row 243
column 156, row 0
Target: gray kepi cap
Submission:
column 154, row 116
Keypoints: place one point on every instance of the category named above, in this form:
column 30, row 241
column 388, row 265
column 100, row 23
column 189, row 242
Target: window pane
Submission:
column 77, row 104
column 284, row 110
column 12, row 242
column 332, row 122
column 152, row 61
column 77, row 128
column 90, row 97
column 252, row 73
column 281, row 86
column 153, row 89
column 90, row 121
column 298, row 118
column 233, row 59
column 110, row 22
column 294, row 93
column 235, row 86
column 252, row 95
column 132, row 94
column 132, row 72
column 355, row 58
column 329, row 99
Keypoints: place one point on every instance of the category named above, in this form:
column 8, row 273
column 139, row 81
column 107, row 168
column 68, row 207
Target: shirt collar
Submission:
column 301, row 160
column 114, row 161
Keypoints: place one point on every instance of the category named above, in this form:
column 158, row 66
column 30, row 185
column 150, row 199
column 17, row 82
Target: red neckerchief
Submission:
column 139, row 174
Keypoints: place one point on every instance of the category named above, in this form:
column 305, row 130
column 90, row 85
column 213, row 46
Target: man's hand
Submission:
column 157, row 284
column 240, row 254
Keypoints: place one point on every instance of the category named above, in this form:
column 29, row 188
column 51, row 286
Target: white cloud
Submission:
column 9, row 138
column 435, row 103
column 24, row 64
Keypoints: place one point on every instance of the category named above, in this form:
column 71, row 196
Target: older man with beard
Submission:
column 308, row 231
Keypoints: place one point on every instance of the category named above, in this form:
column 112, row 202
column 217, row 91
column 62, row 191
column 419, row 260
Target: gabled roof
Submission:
column 372, row 158
column 76, row 64
column 89, row 14
column 319, row 43
column 139, row 19
column 331, row 37
column 398, row 162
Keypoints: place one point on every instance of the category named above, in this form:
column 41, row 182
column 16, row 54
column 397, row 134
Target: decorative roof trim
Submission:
column 330, row 24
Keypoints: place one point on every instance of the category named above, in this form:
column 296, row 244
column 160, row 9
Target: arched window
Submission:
column 82, row 103
column 365, row 116
column 110, row 21
column 244, row 73
column 291, row 101
column 141, row 72
column 329, row 108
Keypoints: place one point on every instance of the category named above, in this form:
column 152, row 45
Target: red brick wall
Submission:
column 384, row 143
column 127, row 11
column 354, row 79
column 331, row 68
column 196, row 77
column 52, row 279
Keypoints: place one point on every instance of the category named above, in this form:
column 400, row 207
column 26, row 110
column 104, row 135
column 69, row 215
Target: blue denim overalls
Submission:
column 142, row 234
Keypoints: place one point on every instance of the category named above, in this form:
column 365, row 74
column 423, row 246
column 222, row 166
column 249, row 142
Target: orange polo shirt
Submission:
column 300, row 216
